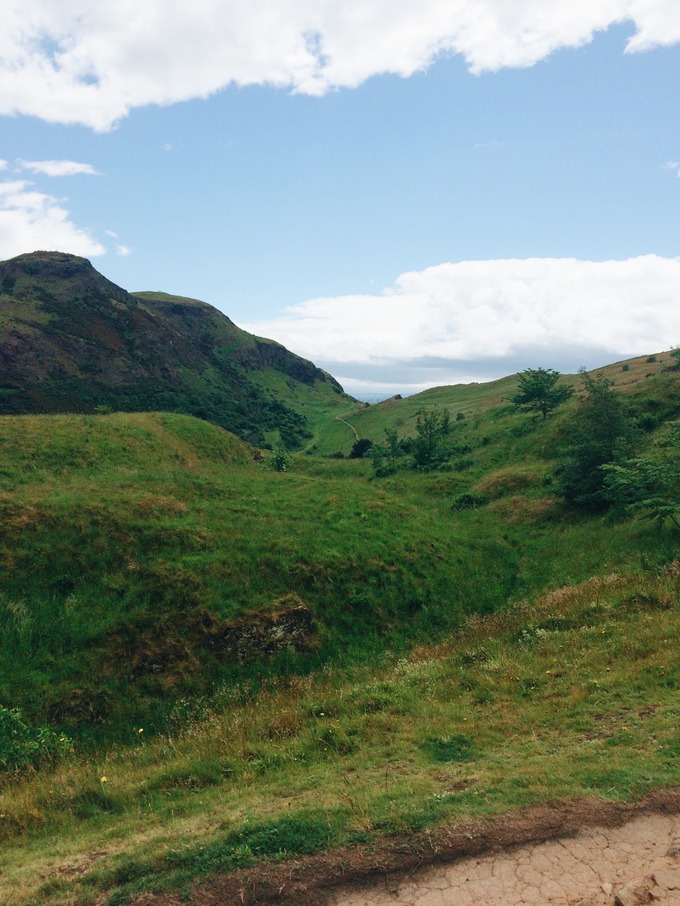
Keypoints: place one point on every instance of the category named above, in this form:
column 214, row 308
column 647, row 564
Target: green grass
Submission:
column 461, row 663
column 494, row 429
column 122, row 537
column 571, row 695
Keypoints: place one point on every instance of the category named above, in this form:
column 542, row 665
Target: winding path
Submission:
column 338, row 419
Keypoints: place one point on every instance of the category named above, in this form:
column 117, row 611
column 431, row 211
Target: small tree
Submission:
column 538, row 393
column 649, row 484
column 360, row 448
column 601, row 433
column 385, row 455
column 393, row 446
column 279, row 460
column 429, row 448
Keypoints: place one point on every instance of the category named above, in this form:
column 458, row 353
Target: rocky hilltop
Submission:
column 73, row 341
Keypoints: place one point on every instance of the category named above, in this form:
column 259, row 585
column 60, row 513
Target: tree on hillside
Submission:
column 649, row 484
column 429, row 447
column 360, row 448
column 538, row 393
column 600, row 433
column 385, row 455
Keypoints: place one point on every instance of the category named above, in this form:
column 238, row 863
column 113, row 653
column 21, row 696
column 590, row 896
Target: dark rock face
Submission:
column 73, row 341
column 176, row 646
column 265, row 635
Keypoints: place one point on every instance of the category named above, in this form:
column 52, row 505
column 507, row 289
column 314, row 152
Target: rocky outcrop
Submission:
column 179, row 645
column 288, row 626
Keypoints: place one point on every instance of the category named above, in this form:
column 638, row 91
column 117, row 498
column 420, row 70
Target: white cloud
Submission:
column 31, row 220
column 123, row 251
column 3, row 164
column 57, row 167
column 476, row 320
column 82, row 61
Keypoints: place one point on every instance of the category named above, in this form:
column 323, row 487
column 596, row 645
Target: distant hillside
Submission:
column 650, row 385
column 72, row 341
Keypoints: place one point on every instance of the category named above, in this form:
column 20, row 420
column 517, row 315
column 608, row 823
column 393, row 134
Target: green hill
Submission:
column 206, row 663
column 72, row 341
column 485, row 410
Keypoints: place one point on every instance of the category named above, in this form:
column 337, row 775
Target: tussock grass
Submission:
column 507, row 480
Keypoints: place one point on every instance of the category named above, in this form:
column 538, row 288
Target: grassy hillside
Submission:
column 218, row 663
column 484, row 411
column 130, row 544
column 572, row 695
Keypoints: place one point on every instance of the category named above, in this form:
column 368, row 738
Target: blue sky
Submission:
column 405, row 197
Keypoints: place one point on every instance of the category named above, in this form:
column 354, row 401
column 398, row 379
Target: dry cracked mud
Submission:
column 583, row 853
column 634, row 864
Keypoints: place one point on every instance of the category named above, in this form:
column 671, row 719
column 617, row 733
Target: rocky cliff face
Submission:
column 73, row 341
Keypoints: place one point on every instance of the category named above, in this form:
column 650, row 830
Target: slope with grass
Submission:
column 483, row 414
column 238, row 665
column 570, row 696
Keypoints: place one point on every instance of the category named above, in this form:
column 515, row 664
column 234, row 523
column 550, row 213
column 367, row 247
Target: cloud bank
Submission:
column 478, row 320
column 87, row 62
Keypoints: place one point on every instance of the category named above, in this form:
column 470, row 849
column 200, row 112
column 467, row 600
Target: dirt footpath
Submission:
column 589, row 852
column 629, row 865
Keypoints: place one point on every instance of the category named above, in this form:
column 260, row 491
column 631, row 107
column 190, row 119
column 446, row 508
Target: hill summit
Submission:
column 73, row 341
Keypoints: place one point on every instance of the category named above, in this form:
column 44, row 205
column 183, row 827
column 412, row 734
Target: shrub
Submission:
column 23, row 746
column 360, row 448
column 600, row 433
column 429, row 447
column 279, row 460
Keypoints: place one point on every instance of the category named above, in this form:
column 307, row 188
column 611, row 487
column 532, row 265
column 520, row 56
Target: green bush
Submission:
column 600, row 433
column 468, row 501
column 279, row 460
column 23, row 746
column 360, row 448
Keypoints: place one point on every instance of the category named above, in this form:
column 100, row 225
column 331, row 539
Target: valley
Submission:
column 237, row 642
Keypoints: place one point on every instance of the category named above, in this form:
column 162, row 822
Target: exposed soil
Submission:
column 586, row 853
